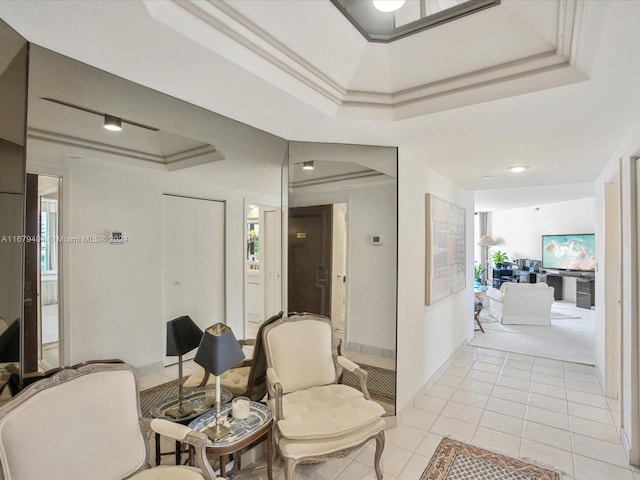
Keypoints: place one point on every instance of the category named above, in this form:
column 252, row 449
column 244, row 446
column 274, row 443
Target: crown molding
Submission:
column 333, row 179
column 176, row 161
column 218, row 26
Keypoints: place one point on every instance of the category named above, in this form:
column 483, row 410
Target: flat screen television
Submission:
column 569, row 252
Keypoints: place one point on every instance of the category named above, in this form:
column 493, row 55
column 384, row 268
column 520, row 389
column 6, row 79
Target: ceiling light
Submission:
column 487, row 177
column 307, row 165
column 388, row 5
column 518, row 168
column 111, row 123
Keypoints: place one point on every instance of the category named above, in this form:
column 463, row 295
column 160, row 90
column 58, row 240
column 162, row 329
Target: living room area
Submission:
column 520, row 314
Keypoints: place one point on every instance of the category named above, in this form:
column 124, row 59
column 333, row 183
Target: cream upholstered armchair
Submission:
column 521, row 303
column 316, row 418
column 84, row 423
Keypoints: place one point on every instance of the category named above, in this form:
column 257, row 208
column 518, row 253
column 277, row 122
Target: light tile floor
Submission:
column 545, row 411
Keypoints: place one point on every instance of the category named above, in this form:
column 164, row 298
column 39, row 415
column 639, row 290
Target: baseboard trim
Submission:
column 402, row 412
column 370, row 349
column 150, row 368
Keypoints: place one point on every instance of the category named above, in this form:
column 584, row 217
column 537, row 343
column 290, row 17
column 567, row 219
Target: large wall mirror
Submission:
column 174, row 182
column 13, row 101
column 342, row 250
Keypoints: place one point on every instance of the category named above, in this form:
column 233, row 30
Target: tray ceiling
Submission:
column 313, row 52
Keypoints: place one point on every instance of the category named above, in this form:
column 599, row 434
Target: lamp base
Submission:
column 217, row 432
column 179, row 413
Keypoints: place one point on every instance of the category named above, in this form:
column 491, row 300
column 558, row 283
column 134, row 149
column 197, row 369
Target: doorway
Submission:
column 339, row 269
column 262, row 261
column 43, row 326
column 309, row 259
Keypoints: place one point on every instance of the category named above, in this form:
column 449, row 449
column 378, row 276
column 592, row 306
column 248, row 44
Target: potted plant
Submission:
column 478, row 270
column 499, row 257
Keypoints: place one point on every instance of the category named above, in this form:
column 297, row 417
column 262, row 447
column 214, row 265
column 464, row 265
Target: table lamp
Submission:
column 218, row 352
column 183, row 335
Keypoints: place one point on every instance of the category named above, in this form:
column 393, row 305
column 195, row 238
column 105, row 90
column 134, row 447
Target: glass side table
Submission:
column 255, row 428
column 194, row 398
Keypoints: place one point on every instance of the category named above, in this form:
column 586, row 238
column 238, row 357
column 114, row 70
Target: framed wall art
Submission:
column 445, row 252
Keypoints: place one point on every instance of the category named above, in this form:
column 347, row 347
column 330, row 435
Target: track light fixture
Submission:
column 111, row 123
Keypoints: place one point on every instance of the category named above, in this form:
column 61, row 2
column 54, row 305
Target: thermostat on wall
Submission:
column 377, row 240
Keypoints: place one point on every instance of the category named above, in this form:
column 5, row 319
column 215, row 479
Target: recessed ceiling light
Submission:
column 388, row 5
column 518, row 168
column 307, row 165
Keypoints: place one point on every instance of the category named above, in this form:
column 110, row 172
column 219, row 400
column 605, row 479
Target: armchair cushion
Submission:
column 297, row 449
column 325, row 412
column 314, row 361
column 169, row 472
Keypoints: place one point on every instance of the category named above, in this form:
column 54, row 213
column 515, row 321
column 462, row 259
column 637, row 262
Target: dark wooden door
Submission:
column 309, row 275
column 31, row 263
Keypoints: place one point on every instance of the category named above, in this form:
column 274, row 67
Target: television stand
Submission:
column 553, row 280
column 585, row 292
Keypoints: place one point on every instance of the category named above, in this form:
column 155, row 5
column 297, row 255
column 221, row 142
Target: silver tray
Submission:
column 193, row 399
column 259, row 415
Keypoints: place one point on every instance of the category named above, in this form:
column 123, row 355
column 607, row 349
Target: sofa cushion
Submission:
column 325, row 412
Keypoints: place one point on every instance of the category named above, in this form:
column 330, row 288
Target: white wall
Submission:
column 114, row 308
column 519, row 231
column 628, row 148
column 427, row 336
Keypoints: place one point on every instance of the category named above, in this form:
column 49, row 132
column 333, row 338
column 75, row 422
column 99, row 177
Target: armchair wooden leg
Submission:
column 289, row 468
column 378, row 455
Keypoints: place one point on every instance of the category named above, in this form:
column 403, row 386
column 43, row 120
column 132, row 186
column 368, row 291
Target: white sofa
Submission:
column 521, row 303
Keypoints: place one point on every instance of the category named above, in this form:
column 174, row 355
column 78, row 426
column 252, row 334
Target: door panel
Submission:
column 210, row 266
column 31, row 260
column 193, row 258
column 310, row 235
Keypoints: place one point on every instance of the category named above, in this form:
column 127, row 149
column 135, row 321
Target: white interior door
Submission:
column 193, row 261
column 209, row 263
column 339, row 267
column 272, row 263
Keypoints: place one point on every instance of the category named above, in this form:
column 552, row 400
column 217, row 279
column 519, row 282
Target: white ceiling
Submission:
column 550, row 84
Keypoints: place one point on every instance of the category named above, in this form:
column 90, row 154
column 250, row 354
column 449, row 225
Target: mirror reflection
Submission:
column 342, row 250
column 263, row 265
column 151, row 219
column 13, row 91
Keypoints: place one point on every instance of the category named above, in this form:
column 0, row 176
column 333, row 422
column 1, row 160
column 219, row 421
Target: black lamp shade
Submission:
column 183, row 335
column 219, row 350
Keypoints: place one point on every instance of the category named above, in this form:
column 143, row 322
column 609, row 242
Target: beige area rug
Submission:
column 570, row 338
column 455, row 460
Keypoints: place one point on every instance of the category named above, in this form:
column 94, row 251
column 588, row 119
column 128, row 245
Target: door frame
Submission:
column 613, row 286
column 277, row 249
column 325, row 200
column 64, row 317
